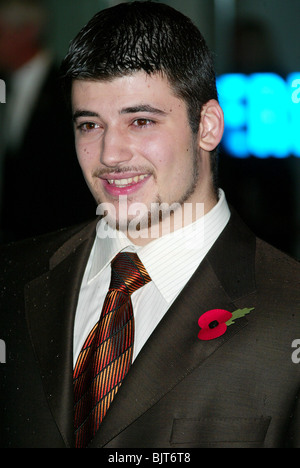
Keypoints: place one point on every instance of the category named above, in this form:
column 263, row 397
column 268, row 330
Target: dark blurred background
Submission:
column 41, row 184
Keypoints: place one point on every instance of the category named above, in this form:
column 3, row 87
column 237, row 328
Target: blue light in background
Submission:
column 262, row 114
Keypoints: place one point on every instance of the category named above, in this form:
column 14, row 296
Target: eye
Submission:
column 141, row 123
column 87, row 127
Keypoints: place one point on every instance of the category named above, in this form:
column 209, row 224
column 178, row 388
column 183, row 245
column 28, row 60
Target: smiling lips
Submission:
column 125, row 182
column 124, row 186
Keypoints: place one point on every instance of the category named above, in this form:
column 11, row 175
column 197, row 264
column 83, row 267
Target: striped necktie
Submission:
column 106, row 355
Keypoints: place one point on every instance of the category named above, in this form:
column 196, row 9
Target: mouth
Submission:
column 117, row 184
column 128, row 181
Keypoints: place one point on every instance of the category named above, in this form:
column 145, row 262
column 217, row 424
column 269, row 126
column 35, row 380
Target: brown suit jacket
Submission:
column 239, row 390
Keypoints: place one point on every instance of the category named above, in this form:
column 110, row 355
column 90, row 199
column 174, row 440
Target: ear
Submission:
column 211, row 126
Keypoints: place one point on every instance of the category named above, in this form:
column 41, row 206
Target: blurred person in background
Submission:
column 36, row 143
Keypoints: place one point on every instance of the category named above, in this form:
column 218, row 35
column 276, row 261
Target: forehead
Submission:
column 120, row 91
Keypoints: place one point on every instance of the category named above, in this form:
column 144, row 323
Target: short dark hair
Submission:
column 145, row 36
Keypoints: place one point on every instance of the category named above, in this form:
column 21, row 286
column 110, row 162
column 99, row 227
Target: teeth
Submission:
column 124, row 182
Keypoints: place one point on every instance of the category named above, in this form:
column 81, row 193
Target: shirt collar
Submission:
column 108, row 243
column 189, row 244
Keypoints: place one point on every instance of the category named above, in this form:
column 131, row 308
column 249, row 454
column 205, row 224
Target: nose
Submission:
column 115, row 148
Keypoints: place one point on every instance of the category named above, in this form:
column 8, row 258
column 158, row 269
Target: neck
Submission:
column 161, row 223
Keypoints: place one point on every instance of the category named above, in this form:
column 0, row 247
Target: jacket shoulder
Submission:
column 277, row 277
column 276, row 265
column 30, row 257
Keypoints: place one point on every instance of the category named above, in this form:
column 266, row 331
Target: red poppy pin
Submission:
column 214, row 323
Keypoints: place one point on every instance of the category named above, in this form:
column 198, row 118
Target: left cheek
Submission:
column 169, row 158
column 161, row 154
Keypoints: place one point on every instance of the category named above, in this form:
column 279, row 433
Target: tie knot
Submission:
column 128, row 273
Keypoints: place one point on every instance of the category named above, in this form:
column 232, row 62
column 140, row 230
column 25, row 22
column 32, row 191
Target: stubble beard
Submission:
column 159, row 210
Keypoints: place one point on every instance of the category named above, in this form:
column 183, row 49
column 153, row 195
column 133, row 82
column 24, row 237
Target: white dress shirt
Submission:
column 170, row 261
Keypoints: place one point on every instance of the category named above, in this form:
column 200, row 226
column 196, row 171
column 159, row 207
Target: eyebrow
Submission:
column 126, row 110
column 142, row 108
column 84, row 113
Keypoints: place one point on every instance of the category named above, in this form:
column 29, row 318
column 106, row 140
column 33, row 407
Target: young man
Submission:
column 210, row 361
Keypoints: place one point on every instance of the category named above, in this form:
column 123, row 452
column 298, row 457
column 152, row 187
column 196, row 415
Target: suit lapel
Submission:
column 51, row 301
column 174, row 350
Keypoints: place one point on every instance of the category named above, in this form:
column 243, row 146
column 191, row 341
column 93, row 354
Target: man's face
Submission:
column 134, row 141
